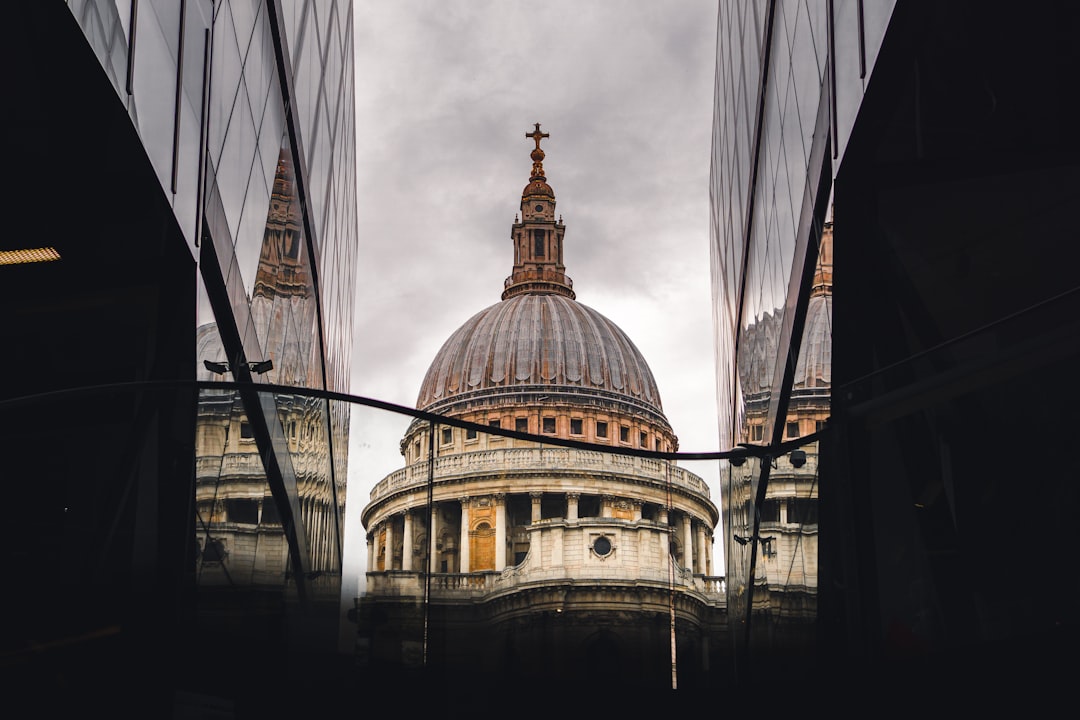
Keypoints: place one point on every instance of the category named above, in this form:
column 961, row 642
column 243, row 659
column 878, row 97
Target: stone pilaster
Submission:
column 407, row 543
column 433, row 536
column 500, row 532
column 699, row 566
column 535, row 497
column 390, row 543
column 688, row 543
column 464, row 555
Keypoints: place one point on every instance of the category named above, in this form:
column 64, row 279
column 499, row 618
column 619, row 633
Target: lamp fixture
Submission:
column 261, row 367
column 219, row 368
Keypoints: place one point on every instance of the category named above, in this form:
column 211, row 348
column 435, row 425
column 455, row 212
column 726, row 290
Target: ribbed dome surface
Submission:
column 538, row 187
column 814, row 368
column 539, row 339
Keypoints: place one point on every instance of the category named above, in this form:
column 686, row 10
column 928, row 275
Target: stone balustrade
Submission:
column 556, row 460
column 229, row 465
column 472, row 585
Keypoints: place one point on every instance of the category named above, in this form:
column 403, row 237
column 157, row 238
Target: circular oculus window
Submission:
column 601, row 546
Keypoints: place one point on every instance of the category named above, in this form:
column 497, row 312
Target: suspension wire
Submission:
column 671, row 584
column 744, row 450
column 431, row 536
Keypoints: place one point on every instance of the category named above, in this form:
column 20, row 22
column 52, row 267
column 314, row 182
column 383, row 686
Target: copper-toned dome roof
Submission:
column 544, row 340
column 813, row 369
column 538, row 187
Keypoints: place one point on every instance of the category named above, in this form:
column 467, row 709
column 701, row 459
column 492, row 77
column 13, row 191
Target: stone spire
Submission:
column 537, row 237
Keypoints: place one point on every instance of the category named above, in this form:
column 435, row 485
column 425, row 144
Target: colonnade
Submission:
column 693, row 533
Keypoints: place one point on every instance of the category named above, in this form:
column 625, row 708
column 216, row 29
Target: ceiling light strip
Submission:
column 28, row 255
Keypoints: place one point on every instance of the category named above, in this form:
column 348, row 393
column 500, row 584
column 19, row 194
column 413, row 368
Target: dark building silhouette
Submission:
column 939, row 139
column 182, row 209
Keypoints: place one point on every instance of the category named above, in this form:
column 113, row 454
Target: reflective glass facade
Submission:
column 213, row 238
column 770, row 183
column 939, row 169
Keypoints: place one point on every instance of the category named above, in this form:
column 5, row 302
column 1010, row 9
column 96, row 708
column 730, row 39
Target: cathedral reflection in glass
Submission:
column 195, row 162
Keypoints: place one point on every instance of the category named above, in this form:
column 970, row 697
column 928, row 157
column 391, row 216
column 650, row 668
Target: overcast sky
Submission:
column 445, row 92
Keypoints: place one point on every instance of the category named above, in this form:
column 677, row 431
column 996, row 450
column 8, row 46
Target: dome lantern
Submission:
column 537, row 237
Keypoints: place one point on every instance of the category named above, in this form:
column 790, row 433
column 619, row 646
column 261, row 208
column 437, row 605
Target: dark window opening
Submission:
column 624, row 434
column 793, row 429
column 769, row 511
column 601, row 429
column 575, row 426
column 245, row 431
column 644, row 437
column 470, row 433
column 758, row 432
column 802, row 511
column 588, row 506
column 521, row 424
column 292, row 244
column 447, row 436
column 494, row 423
column 242, row 511
column 549, row 424
column 538, row 243
column 442, row 566
column 270, row 512
column 519, row 557
column 552, row 506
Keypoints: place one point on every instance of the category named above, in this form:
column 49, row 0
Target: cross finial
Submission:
column 537, row 135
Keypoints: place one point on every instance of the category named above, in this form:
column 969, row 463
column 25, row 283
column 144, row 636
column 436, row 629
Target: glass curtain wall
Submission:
column 244, row 109
column 770, row 180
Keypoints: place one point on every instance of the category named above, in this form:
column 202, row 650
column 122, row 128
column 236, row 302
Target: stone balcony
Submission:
column 556, row 460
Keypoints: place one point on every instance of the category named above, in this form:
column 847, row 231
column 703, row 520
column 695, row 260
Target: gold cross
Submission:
column 537, row 135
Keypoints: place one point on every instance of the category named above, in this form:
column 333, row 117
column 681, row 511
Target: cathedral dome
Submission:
column 814, row 368
column 538, row 187
column 545, row 340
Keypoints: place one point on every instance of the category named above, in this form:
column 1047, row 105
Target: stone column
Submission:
column 390, row 543
column 370, row 551
column 556, row 546
column 699, row 566
column 500, row 532
column 605, row 505
column 637, row 509
column 433, row 536
column 464, row 553
column 663, row 516
column 688, row 543
column 708, row 554
column 406, row 543
column 535, row 496
column 571, row 505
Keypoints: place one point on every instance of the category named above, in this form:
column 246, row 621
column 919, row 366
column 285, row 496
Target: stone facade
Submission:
column 514, row 554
